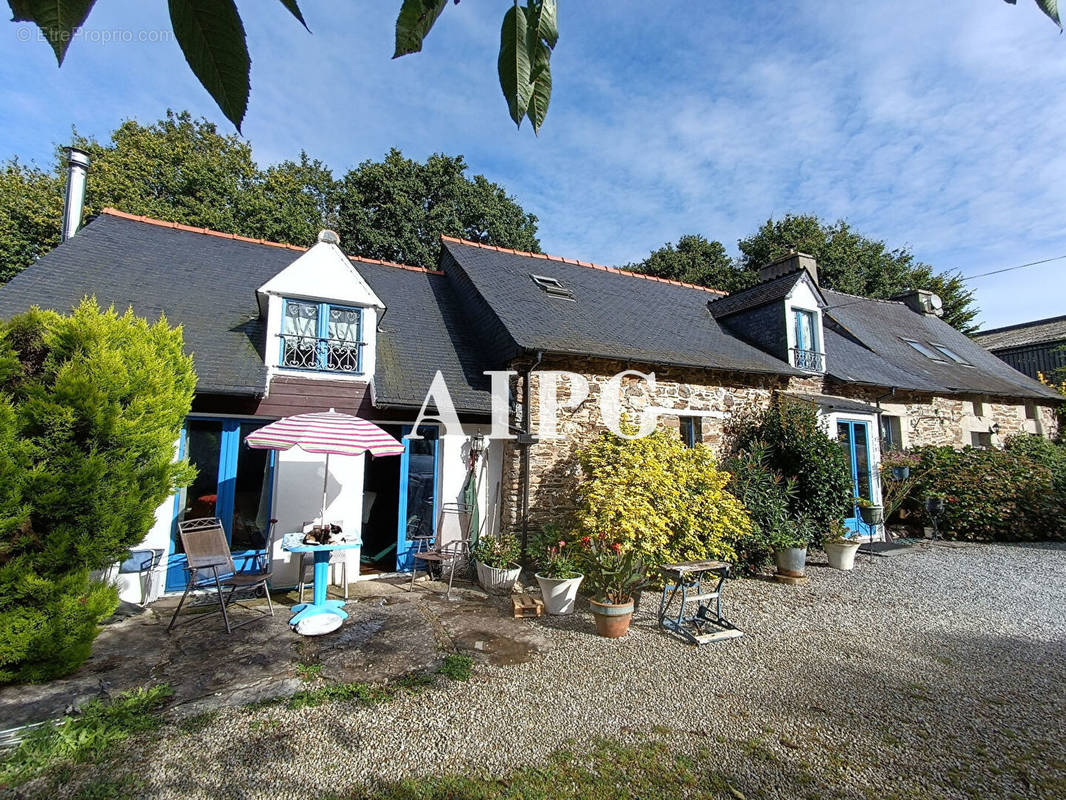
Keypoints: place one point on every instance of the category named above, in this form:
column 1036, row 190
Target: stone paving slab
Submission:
column 390, row 632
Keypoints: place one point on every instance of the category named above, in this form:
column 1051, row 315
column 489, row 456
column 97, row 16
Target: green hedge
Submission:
column 1014, row 494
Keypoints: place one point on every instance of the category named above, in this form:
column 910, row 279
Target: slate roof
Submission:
column 1052, row 329
column 206, row 282
column 614, row 314
column 759, row 295
column 880, row 357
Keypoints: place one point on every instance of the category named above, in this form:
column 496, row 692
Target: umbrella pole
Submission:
column 325, row 488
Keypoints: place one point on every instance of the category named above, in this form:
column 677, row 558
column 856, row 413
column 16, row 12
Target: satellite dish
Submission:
column 936, row 305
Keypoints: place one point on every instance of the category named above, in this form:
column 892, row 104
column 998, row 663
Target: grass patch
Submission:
column 86, row 737
column 365, row 693
column 594, row 770
column 309, row 672
column 457, row 667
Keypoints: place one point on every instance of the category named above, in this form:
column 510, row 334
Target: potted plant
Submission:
column 934, row 505
column 614, row 572
column 556, row 573
column 840, row 547
column 497, row 563
column 872, row 513
column 789, row 541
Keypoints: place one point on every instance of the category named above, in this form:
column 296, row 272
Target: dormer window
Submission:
column 321, row 336
column 807, row 353
column 552, row 286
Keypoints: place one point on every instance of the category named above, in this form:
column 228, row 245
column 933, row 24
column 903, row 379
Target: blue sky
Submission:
column 932, row 125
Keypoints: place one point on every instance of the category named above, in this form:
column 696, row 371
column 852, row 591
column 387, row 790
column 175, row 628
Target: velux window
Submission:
column 951, row 354
column 552, row 286
column 925, row 350
column 321, row 336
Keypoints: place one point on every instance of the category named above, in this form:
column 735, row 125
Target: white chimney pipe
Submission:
column 74, row 202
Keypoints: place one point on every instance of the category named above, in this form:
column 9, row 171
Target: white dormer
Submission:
column 321, row 316
column 803, row 324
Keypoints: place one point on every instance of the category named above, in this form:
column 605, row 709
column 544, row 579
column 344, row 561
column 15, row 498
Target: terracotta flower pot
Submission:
column 612, row 619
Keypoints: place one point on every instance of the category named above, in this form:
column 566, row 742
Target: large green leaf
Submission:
column 211, row 36
column 295, row 10
column 514, row 63
column 548, row 22
column 542, row 86
column 57, row 19
column 1051, row 8
column 414, row 22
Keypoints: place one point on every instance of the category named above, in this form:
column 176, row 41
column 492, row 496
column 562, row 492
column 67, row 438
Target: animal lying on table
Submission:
column 323, row 534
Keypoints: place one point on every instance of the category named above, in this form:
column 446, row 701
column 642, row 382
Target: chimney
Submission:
column 793, row 262
column 922, row 301
column 74, row 202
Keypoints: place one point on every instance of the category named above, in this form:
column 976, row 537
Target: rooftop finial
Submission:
column 329, row 237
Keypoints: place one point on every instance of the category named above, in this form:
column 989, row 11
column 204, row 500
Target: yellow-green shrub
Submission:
column 669, row 501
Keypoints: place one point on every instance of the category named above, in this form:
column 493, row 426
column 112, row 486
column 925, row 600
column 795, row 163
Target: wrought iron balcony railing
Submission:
column 314, row 352
column 810, row 360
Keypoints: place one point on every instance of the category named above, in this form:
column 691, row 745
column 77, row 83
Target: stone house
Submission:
column 276, row 330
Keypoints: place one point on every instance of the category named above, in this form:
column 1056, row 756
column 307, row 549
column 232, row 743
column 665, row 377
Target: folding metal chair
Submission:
column 454, row 518
column 210, row 564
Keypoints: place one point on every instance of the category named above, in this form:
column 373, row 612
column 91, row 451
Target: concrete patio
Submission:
column 390, row 633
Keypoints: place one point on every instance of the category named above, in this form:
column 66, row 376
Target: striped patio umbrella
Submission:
column 326, row 432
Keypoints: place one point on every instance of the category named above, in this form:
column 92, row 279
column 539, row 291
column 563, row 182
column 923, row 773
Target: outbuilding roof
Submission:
column 1040, row 331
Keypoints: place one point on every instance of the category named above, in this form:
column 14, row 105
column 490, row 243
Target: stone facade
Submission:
column 713, row 396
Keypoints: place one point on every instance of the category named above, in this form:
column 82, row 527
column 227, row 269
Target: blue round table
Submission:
column 293, row 543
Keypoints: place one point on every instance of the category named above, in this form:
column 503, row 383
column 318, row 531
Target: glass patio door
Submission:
column 854, row 437
column 418, row 491
column 233, row 482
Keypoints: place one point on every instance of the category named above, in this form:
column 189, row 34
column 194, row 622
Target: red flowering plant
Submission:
column 613, row 571
column 554, row 554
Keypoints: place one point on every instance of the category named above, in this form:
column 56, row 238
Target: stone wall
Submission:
column 713, row 396
column 938, row 420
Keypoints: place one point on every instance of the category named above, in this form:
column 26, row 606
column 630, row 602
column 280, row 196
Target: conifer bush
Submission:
column 667, row 500
column 91, row 404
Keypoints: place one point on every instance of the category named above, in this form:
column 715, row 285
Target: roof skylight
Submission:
column 552, row 286
column 952, row 354
column 925, row 350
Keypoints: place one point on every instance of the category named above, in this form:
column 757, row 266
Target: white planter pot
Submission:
column 497, row 581
column 559, row 594
column 791, row 561
column 841, row 554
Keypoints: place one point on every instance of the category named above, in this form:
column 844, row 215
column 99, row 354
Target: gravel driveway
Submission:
column 939, row 673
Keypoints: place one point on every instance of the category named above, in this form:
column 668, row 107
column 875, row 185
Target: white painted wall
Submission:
column 803, row 297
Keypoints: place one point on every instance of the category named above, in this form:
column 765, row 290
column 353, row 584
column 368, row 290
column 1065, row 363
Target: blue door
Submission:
column 854, row 437
column 418, row 491
column 233, row 482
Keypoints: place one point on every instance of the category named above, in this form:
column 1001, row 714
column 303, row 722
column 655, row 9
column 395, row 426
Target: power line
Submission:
column 1011, row 269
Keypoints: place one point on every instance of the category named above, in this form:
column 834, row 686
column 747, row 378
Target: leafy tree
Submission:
column 694, row 260
column 90, row 407
column 852, row 263
column 178, row 169
column 31, row 210
column 294, row 201
column 397, row 209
